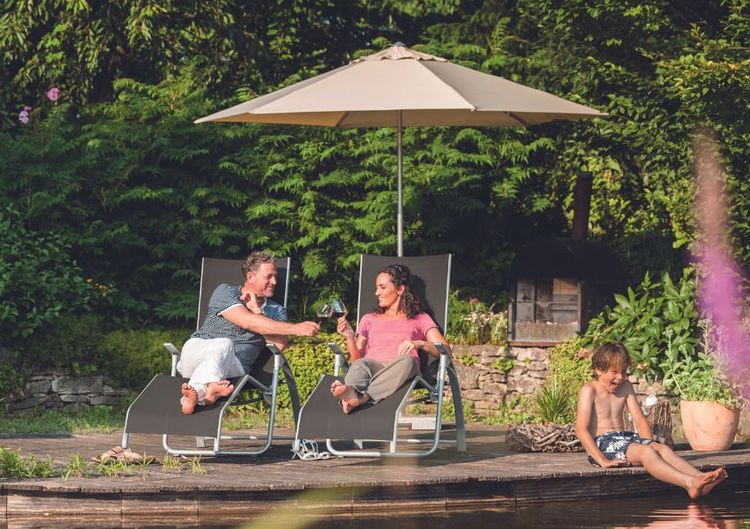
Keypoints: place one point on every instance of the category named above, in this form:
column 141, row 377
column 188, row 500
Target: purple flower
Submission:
column 27, row 108
column 53, row 93
column 23, row 116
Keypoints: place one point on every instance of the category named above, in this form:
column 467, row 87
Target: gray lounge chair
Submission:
column 157, row 410
column 322, row 418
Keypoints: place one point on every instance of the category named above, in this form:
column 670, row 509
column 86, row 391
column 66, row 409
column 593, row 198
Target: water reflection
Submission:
column 727, row 511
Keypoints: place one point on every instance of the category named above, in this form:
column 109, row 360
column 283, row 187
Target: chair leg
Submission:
column 293, row 392
column 458, row 408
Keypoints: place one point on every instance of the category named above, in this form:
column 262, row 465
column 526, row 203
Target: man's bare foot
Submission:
column 189, row 399
column 714, row 478
column 217, row 390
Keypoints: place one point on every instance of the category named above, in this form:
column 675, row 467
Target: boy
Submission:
column 600, row 427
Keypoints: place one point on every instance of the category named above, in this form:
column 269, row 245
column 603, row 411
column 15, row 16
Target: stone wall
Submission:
column 493, row 375
column 61, row 390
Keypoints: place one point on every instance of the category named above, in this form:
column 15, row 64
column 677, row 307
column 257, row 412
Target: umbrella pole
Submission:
column 400, row 213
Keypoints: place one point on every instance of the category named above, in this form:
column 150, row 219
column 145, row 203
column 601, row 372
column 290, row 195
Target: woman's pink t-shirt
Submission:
column 385, row 335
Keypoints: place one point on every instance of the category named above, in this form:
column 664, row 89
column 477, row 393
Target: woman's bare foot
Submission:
column 189, row 399
column 350, row 399
column 338, row 388
column 714, row 478
column 217, row 390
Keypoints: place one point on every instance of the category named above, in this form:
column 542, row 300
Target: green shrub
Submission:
column 14, row 466
column 309, row 358
column 570, row 364
column 503, row 364
column 640, row 320
column 473, row 322
column 554, row 403
column 39, row 280
column 82, row 344
column 132, row 357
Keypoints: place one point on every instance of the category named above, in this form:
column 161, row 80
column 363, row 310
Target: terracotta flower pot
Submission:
column 708, row 425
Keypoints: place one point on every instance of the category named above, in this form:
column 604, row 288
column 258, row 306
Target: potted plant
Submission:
column 710, row 404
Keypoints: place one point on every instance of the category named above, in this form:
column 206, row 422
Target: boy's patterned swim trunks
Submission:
column 614, row 445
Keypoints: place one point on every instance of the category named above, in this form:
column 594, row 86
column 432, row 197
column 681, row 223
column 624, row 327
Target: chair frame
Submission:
column 436, row 390
column 268, row 392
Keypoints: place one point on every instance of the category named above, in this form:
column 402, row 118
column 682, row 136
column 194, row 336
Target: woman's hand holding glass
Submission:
column 343, row 327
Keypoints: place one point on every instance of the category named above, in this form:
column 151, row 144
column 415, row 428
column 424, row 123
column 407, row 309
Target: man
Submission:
column 241, row 319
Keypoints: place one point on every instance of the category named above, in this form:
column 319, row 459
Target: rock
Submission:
column 69, row 397
column 468, row 376
column 78, row 385
column 105, row 400
column 29, row 403
column 39, row 386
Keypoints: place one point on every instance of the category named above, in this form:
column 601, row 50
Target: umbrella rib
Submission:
column 341, row 119
column 512, row 115
column 459, row 94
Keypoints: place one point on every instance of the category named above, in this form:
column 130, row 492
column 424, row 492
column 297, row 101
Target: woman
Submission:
column 384, row 354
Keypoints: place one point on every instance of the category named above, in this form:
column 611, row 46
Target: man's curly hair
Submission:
column 254, row 260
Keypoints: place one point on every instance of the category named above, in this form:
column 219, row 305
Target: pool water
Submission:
column 718, row 511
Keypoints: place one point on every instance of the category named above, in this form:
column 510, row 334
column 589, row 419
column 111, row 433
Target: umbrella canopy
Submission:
column 400, row 87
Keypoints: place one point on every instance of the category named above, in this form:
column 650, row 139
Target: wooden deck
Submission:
column 487, row 475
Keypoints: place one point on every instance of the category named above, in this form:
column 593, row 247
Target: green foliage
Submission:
column 99, row 419
column 310, row 358
column 503, row 364
column 133, row 357
column 467, row 359
column 570, row 365
column 77, row 467
column 129, row 358
column 472, row 322
column 554, row 403
column 700, row 376
column 15, row 466
column 512, row 412
column 651, row 318
column 39, row 280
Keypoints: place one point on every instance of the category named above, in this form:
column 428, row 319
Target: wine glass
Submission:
column 338, row 309
column 324, row 312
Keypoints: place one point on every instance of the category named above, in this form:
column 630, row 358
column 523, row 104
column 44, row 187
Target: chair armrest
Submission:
column 171, row 349
column 272, row 347
column 441, row 348
column 340, row 363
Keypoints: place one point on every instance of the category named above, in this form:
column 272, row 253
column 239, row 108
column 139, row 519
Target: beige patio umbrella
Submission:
column 399, row 87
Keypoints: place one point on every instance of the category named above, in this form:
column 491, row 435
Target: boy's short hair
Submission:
column 611, row 355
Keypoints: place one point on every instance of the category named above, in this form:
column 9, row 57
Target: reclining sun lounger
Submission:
column 321, row 416
column 157, row 409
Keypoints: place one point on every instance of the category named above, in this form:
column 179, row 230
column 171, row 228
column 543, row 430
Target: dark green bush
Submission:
column 39, row 280
column 132, row 357
column 83, row 344
column 656, row 316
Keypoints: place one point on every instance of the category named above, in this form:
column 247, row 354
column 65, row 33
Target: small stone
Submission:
column 78, row 385
column 29, row 403
column 39, row 386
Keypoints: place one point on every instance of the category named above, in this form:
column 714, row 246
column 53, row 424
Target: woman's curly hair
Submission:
column 410, row 303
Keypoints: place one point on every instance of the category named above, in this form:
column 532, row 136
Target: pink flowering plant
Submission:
column 25, row 115
column 53, row 94
column 473, row 322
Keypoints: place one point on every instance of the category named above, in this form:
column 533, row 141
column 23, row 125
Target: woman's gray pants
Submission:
column 380, row 379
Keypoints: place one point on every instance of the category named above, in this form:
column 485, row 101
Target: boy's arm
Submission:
column 639, row 419
column 583, row 420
